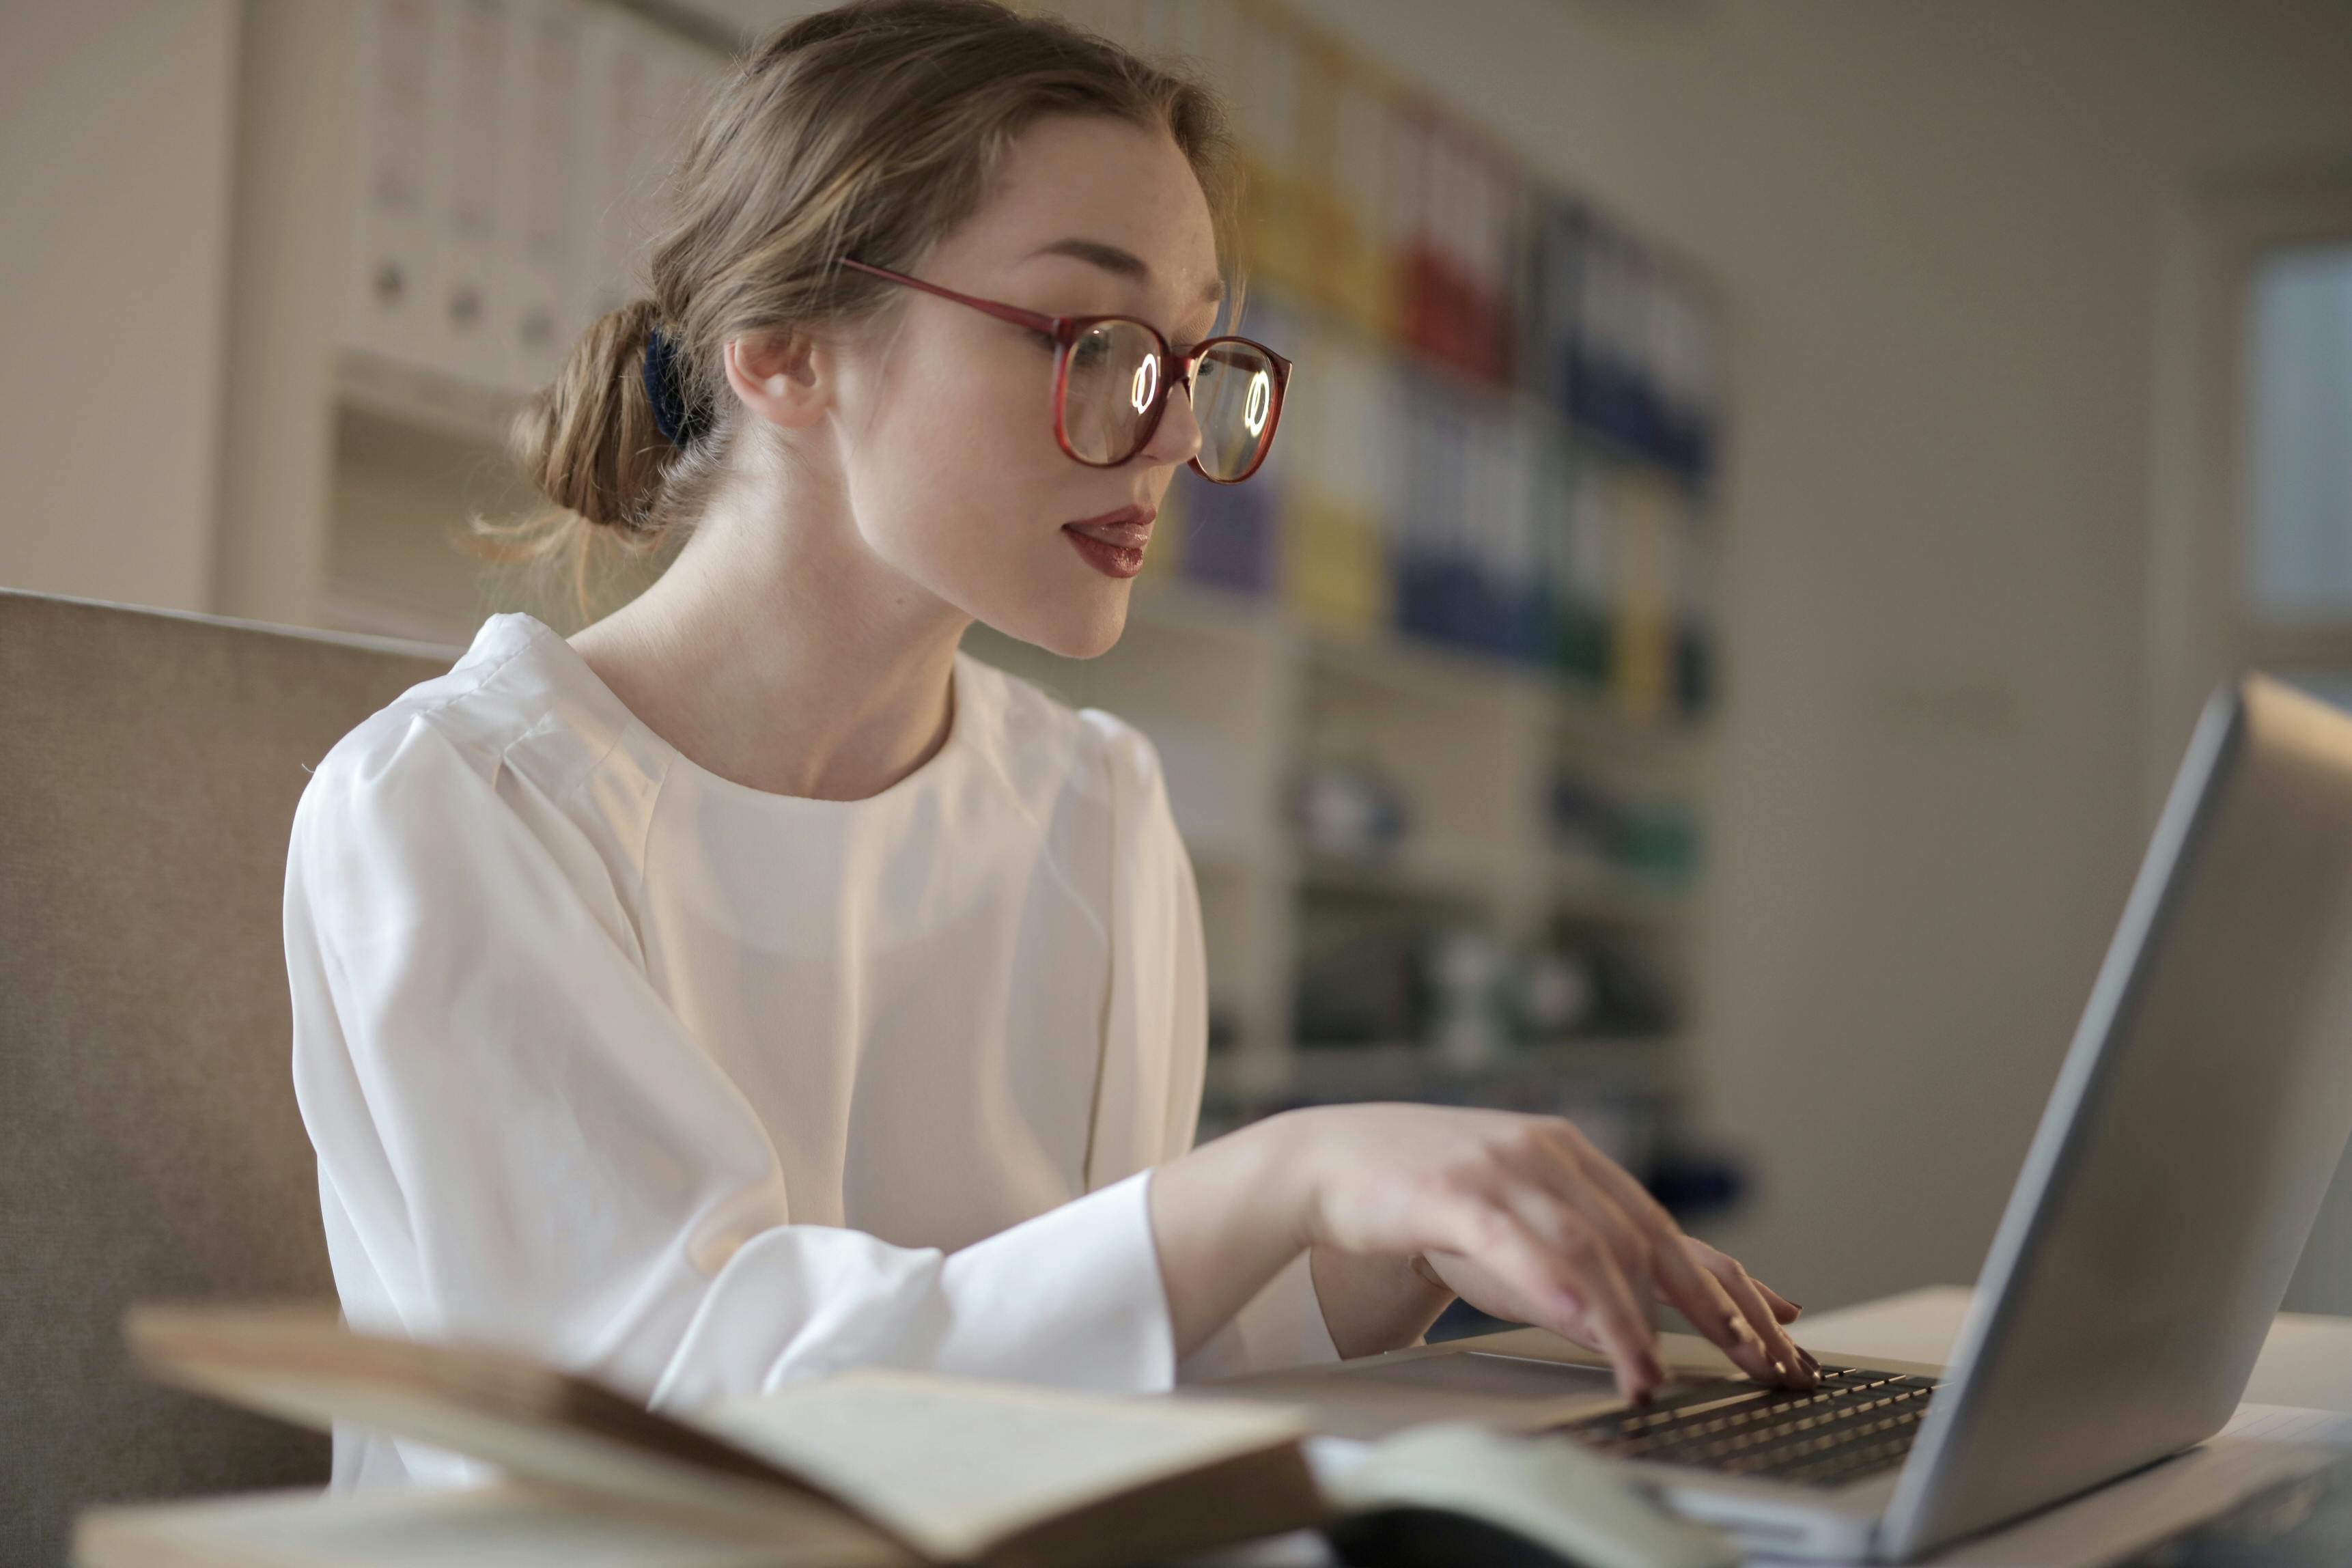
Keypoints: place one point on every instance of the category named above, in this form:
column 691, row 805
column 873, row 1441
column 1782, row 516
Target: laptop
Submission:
column 2197, row 1123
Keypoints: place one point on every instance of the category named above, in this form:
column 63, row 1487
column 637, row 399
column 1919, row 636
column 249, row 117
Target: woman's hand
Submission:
column 1518, row 1214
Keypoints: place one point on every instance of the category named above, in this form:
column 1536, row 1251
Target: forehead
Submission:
column 1108, row 184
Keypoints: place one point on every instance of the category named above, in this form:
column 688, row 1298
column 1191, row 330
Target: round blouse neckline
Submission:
column 962, row 718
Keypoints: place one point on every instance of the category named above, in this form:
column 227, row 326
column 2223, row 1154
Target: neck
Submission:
column 780, row 652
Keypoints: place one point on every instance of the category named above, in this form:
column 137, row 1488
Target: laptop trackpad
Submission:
column 1495, row 1376
column 1509, row 1393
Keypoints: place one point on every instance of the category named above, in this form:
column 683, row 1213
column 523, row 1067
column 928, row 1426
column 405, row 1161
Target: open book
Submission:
column 866, row 1469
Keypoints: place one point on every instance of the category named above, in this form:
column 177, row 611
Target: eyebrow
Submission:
column 1124, row 263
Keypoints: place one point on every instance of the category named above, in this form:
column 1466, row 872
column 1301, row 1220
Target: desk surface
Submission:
column 2306, row 1360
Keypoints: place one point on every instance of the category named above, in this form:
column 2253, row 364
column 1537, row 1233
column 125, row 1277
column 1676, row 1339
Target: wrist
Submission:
column 1285, row 1189
column 1375, row 1304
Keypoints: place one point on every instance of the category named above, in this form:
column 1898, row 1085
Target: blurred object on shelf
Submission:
column 1345, row 805
column 508, row 157
column 1658, row 841
column 1601, row 835
column 1584, row 819
column 1455, row 220
column 1349, row 810
column 1633, row 1000
column 1467, row 972
column 1613, row 990
column 1696, row 1183
column 1231, row 536
column 1394, row 972
column 1360, row 980
column 1558, row 995
column 1648, row 525
column 1620, row 341
column 1574, row 525
column 1346, row 467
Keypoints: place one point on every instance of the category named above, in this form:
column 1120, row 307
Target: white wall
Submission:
column 1938, row 226
column 115, row 132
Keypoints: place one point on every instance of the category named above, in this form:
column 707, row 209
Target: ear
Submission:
column 784, row 377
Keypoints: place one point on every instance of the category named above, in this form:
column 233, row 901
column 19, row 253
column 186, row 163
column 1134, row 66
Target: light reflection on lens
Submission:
column 1114, row 376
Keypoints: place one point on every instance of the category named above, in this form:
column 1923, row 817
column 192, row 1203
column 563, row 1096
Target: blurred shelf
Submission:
column 1411, row 667
column 1413, row 870
column 1236, row 853
column 431, row 400
column 1340, row 1073
column 1426, row 669
column 1511, row 394
column 1598, row 892
column 1165, row 600
column 1584, row 719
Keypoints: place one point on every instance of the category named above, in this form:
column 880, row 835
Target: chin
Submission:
column 1083, row 630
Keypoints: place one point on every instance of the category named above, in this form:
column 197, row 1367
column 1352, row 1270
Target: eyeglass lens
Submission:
column 1115, row 370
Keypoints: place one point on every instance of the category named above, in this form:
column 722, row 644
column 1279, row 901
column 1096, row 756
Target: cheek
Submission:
column 964, row 478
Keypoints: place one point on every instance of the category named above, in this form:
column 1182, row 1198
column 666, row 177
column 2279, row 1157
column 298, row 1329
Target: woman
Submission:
column 754, row 985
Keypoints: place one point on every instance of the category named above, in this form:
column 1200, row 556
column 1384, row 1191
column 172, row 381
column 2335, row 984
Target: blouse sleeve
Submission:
column 1159, row 997
column 519, row 1143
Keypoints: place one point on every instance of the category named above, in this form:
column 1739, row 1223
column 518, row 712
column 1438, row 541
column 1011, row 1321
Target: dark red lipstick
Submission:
column 1113, row 543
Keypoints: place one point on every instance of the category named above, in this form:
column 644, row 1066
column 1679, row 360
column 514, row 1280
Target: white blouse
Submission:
column 702, row 1090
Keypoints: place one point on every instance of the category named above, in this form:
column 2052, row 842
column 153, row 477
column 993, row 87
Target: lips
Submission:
column 1113, row 543
column 1128, row 528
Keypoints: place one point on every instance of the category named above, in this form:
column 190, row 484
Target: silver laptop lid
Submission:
column 2196, row 1124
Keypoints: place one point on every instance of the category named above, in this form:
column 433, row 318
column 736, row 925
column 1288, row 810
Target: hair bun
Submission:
column 591, row 440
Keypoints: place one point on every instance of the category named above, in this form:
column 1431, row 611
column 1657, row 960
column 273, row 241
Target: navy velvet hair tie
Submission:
column 678, row 421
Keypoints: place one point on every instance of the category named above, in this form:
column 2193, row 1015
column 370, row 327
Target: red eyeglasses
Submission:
column 1113, row 374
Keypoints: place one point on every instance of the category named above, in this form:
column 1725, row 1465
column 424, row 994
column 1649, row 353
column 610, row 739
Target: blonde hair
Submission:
column 871, row 129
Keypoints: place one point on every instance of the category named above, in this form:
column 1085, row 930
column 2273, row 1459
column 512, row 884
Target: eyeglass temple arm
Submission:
column 1058, row 327
column 1053, row 326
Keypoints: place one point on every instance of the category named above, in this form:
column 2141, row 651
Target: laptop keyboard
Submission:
column 1856, row 1424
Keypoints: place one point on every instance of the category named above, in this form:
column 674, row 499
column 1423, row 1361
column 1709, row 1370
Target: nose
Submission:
column 1178, row 437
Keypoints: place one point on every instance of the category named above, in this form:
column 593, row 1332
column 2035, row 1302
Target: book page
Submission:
column 2290, row 1423
column 302, row 1365
column 487, row 1526
column 957, row 1465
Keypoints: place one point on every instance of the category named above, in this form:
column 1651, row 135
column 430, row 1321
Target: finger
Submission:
column 1557, row 1163
column 1788, row 1311
column 1694, row 1292
column 1618, row 1318
column 1562, row 1273
column 1761, row 1317
column 1622, row 1323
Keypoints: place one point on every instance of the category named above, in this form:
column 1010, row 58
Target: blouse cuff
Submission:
column 1073, row 1298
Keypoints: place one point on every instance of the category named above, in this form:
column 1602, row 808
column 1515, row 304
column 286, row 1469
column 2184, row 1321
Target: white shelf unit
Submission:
column 351, row 478
column 1234, row 690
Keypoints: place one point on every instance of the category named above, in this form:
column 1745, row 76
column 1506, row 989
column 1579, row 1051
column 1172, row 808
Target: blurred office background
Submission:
column 1768, row 484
